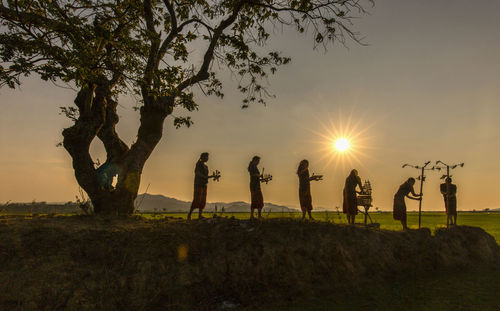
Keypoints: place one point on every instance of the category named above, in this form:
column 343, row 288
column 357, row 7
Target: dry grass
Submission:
column 134, row 264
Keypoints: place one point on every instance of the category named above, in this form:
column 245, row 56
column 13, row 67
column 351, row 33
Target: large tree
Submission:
column 156, row 50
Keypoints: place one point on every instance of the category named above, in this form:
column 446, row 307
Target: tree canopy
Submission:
column 158, row 50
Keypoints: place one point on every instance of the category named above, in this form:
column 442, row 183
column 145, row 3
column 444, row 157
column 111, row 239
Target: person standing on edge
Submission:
column 350, row 205
column 449, row 192
column 305, row 197
column 255, row 191
column 200, row 185
column 399, row 208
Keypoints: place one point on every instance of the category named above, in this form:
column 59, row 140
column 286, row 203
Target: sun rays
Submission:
column 343, row 141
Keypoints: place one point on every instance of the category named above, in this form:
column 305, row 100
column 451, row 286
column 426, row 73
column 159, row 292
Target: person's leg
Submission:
column 310, row 216
column 403, row 222
column 261, row 203
column 193, row 204
column 353, row 219
column 455, row 219
column 303, row 214
column 203, row 202
column 251, row 212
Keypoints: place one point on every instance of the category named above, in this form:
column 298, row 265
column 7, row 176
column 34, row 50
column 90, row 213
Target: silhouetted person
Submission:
column 449, row 192
column 255, row 191
column 350, row 205
column 399, row 208
column 200, row 185
column 305, row 197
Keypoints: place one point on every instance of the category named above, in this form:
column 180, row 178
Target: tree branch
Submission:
column 207, row 59
column 153, row 52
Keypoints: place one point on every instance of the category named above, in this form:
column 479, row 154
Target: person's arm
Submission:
column 316, row 177
column 453, row 190
column 198, row 172
column 442, row 189
column 416, row 197
column 358, row 182
column 254, row 172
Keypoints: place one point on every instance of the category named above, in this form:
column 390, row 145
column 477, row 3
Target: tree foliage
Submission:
column 158, row 50
column 144, row 46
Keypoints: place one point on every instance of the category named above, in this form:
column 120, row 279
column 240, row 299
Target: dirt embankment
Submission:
column 130, row 264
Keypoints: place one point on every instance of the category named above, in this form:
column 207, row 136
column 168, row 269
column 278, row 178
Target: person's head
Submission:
column 354, row 172
column 204, row 157
column 411, row 181
column 448, row 180
column 302, row 166
column 255, row 160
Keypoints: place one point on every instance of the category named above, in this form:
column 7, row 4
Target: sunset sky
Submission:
column 425, row 87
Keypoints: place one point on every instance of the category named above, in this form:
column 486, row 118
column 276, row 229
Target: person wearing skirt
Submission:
column 200, row 186
column 449, row 192
column 350, row 204
column 255, row 191
column 305, row 197
column 399, row 208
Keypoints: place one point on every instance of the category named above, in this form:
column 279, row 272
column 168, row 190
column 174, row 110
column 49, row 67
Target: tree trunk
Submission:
column 98, row 118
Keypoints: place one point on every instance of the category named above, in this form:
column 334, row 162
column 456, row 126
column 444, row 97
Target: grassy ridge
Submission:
column 92, row 263
column 490, row 222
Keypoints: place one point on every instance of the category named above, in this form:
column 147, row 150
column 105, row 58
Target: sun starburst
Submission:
column 343, row 142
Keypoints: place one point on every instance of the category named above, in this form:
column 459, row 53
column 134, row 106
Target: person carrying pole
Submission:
column 449, row 192
column 399, row 207
column 200, row 185
column 350, row 204
column 305, row 197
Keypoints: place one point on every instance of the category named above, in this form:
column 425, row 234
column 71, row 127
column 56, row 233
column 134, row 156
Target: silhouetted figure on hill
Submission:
column 255, row 191
column 399, row 208
column 350, row 205
column 200, row 185
column 449, row 192
column 305, row 197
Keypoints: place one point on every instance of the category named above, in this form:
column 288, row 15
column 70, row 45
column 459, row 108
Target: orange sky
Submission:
column 425, row 88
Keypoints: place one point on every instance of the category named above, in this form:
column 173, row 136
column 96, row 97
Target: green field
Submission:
column 490, row 222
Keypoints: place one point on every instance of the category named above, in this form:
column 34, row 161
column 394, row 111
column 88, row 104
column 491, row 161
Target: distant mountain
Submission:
column 156, row 202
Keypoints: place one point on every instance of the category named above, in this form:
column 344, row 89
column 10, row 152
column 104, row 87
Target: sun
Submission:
column 342, row 144
column 344, row 141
